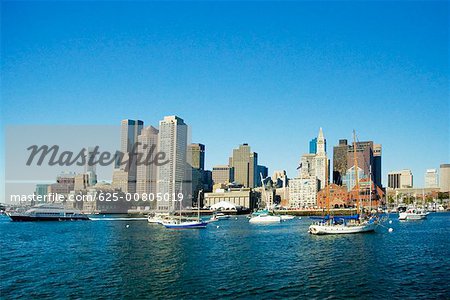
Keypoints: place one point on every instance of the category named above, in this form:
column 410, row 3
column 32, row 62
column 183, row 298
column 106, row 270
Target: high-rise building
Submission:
column 261, row 170
column 89, row 165
column 431, row 178
column 364, row 156
column 41, row 191
column 321, row 161
column 444, row 183
column 244, row 164
column 197, row 156
column 340, row 161
column 376, row 169
column 146, row 173
column 129, row 132
column 81, row 182
column 303, row 192
column 349, row 179
column 222, row 174
column 313, row 146
column 172, row 176
column 368, row 156
column 307, row 165
column 196, row 160
column 400, row 179
column 313, row 176
column 316, row 165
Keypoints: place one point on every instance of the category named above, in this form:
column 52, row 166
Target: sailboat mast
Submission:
column 370, row 187
column 198, row 205
column 355, row 161
column 327, row 187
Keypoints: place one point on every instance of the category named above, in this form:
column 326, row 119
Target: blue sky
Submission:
column 269, row 74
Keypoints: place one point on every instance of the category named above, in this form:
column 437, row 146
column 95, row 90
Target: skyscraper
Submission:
column 313, row 176
column 313, row 146
column 400, row 179
column 340, row 161
column 147, row 170
column 261, row 170
column 431, row 178
column 321, row 161
column 197, row 156
column 172, row 177
column 444, row 183
column 244, row 164
column 89, row 167
column 129, row 132
column 364, row 156
column 316, row 165
column 222, row 174
column 196, row 160
column 368, row 156
column 376, row 171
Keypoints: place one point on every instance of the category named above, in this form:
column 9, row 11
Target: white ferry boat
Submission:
column 48, row 212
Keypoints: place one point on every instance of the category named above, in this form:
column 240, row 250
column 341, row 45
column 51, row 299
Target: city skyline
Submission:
column 271, row 85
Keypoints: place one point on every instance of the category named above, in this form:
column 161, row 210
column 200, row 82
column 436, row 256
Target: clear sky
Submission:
column 269, row 74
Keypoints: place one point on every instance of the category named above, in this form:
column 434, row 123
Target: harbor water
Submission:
column 129, row 258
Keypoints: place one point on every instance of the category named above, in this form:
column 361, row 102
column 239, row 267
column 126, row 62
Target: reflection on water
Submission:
column 229, row 259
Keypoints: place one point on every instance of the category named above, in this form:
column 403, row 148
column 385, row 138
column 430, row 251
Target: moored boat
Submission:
column 222, row 216
column 265, row 219
column 176, row 224
column 183, row 223
column 339, row 225
column 350, row 224
column 413, row 214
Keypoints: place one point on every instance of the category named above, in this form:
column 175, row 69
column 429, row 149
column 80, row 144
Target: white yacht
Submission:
column 413, row 214
column 265, row 219
column 48, row 212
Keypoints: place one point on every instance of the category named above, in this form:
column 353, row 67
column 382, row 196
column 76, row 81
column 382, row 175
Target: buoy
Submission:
column 128, row 225
column 217, row 226
column 299, row 218
column 390, row 221
column 390, row 229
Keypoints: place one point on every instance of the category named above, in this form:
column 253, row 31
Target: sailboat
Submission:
column 264, row 216
column 348, row 224
column 180, row 223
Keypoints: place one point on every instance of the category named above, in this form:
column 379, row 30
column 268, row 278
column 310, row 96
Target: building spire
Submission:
column 320, row 134
column 320, row 142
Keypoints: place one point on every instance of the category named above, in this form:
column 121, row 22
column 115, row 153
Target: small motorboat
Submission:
column 286, row 217
column 264, row 219
column 222, row 216
column 413, row 214
column 213, row 219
